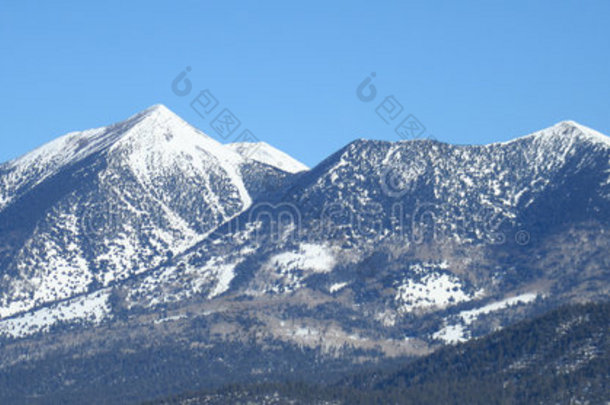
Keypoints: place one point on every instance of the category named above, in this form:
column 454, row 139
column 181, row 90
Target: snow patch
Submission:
column 455, row 333
column 309, row 257
column 91, row 308
column 471, row 315
column 224, row 275
column 433, row 290
column 451, row 334
column 336, row 287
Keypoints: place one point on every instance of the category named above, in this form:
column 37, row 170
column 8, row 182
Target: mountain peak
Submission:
column 157, row 108
column 264, row 153
column 154, row 113
column 564, row 132
column 568, row 126
column 573, row 131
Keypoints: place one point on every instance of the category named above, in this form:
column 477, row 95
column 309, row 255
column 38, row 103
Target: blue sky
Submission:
column 470, row 72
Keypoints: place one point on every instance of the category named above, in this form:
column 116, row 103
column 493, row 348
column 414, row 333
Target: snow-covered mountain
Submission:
column 433, row 226
column 149, row 230
column 98, row 206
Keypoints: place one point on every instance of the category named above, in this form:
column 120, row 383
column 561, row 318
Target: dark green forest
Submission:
column 560, row 357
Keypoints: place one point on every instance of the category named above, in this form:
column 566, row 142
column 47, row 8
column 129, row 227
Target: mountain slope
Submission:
column 470, row 229
column 96, row 207
column 560, row 357
column 209, row 263
column 265, row 153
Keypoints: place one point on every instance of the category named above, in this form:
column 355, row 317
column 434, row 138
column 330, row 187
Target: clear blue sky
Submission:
column 470, row 71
